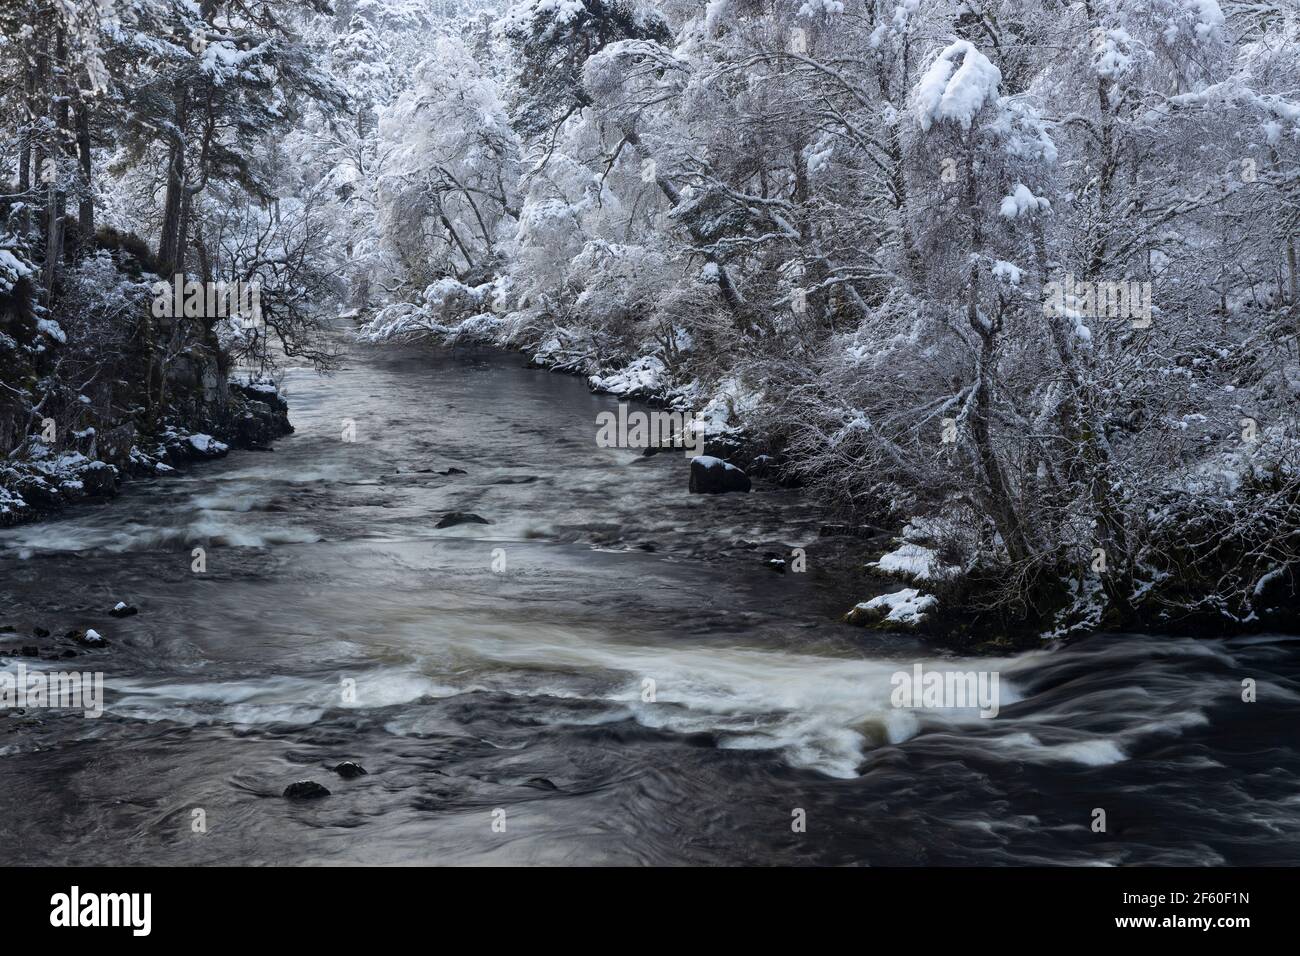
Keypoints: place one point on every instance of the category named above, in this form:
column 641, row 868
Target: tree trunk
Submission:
column 56, row 198
column 86, row 206
column 182, row 233
column 1291, row 267
column 64, row 131
column 171, row 223
column 728, row 291
column 26, row 147
column 53, row 240
column 996, row 488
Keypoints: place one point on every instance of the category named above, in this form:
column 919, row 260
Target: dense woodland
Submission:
column 1016, row 279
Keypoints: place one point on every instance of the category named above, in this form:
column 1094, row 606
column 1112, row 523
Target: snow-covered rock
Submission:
column 90, row 638
column 906, row 608
column 713, row 476
column 205, row 446
column 644, row 377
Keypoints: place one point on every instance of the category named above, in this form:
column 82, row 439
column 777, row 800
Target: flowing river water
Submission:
column 493, row 679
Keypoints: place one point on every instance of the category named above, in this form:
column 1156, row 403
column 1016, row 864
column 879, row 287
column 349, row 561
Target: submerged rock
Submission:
column 305, row 790
column 713, row 476
column 350, row 769
column 453, row 518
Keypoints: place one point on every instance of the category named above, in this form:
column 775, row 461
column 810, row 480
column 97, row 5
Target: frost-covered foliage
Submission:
column 444, row 310
column 1021, row 277
column 135, row 118
column 1016, row 278
column 448, row 180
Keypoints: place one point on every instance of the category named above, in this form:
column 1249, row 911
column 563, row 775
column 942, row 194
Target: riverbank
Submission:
column 102, row 384
column 100, row 457
column 1206, row 568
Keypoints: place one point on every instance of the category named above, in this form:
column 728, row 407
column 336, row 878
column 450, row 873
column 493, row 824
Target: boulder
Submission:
column 258, row 415
column 898, row 610
column 263, row 392
column 37, row 492
column 713, row 476
column 453, row 518
column 180, row 447
column 88, row 638
column 98, row 480
column 305, row 790
column 350, row 769
column 200, row 446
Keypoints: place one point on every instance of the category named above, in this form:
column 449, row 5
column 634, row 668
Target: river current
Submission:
column 605, row 673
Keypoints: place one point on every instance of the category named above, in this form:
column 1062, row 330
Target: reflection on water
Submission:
column 632, row 686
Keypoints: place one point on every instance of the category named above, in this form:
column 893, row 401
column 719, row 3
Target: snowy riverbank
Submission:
column 43, row 480
column 934, row 574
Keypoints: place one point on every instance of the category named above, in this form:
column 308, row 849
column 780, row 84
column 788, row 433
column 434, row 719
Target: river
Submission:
column 606, row 673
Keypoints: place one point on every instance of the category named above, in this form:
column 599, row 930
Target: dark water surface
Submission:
column 522, row 690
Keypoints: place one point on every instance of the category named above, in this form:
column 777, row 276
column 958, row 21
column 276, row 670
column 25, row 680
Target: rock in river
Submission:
column 453, row 518
column 713, row 476
column 88, row 638
column 305, row 790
